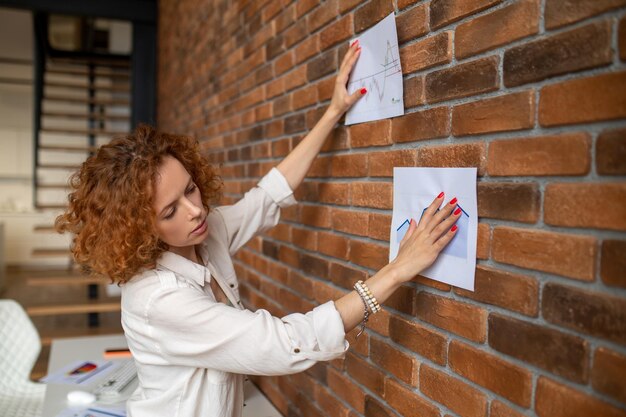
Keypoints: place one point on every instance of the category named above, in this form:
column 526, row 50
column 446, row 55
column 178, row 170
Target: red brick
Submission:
column 499, row 114
column 622, row 38
column 379, row 225
column 371, row 13
column 350, row 165
column 369, row 255
column 322, row 15
column 372, row 194
column 563, row 254
column 320, row 167
column 582, row 48
column 315, row 216
column 304, row 97
column 381, row 164
column 463, row 319
column 345, row 5
column 565, row 154
column 590, row 99
column 511, row 291
column 597, row 205
column 611, row 152
column 491, row 372
column 613, row 263
column 304, row 6
column 398, row 363
column 563, row 12
column 407, row 402
column 461, row 155
column 336, row 32
column 426, row 53
column 557, row 400
column 509, row 201
column 353, row 222
column 322, row 65
column 418, row 338
column 329, row 404
column 426, row 124
column 374, row 408
column 463, row 80
column 344, row 388
column 557, row 352
column 443, row 12
column 332, row 245
column 413, row 23
column 607, row 374
column 414, row 92
column 499, row 409
column 594, row 313
column 365, row 373
column 466, row 401
column 334, row 193
column 483, row 246
column 370, row 134
column 497, row 28
column 304, row 238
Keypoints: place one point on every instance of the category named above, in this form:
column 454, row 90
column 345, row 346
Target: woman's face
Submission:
column 180, row 216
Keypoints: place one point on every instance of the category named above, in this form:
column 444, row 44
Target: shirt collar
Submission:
column 184, row 267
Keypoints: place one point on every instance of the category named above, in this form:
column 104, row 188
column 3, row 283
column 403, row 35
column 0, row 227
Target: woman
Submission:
column 140, row 214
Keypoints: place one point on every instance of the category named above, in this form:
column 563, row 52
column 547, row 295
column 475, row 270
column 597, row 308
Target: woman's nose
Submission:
column 193, row 210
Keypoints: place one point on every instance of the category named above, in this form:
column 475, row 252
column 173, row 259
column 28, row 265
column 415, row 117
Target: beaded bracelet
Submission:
column 371, row 300
column 368, row 301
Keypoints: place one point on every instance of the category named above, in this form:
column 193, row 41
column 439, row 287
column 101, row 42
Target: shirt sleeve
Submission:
column 257, row 211
column 206, row 334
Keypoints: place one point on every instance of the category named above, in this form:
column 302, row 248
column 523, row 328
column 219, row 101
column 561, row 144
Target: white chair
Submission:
column 19, row 349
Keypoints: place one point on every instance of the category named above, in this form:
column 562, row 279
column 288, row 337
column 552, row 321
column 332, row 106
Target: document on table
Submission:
column 378, row 70
column 79, row 372
column 93, row 411
column 414, row 189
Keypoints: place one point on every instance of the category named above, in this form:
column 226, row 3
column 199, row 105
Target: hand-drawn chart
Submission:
column 378, row 70
column 414, row 189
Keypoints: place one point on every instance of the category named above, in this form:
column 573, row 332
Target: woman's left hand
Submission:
column 341, row 100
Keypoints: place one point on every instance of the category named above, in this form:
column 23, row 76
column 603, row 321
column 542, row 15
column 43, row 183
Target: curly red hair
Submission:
column 110, row 208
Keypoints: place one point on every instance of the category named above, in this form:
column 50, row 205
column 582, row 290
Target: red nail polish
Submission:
column 363, row 90
column 454, row 228
column 440, row 195
column 457, row 211
column 453, row 201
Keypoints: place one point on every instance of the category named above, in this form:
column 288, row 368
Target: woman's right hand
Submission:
column 424, row 241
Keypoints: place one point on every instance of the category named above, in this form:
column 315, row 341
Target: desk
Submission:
column 65, row 351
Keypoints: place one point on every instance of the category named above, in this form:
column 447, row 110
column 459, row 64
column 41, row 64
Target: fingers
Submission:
column 447, row 224
column 446, row 238
column 430, row 211
column 412, row 227
column 438, row 217
column 348, row 62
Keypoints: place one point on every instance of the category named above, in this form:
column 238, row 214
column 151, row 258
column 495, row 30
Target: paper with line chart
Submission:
column 414, row 189
column 378, row 70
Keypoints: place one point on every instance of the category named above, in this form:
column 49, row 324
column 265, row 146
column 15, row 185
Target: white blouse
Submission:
column 193, row 352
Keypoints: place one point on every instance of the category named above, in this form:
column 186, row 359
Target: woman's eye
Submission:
column 170, row 214
column 191, row 189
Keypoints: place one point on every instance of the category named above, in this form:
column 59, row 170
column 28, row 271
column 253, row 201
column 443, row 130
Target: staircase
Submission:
column 83, row 100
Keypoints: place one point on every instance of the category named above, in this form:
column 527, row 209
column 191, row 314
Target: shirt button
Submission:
column 296, row 350
column 232, row 285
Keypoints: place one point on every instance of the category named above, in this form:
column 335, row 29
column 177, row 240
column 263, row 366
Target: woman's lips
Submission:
column 200, row 229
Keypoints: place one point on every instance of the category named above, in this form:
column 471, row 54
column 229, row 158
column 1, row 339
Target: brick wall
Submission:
column 531, row 92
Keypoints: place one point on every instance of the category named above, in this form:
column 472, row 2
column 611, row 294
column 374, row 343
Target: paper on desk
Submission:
column 414, row 189
column 93, row 411
column 378, row 70
column 79, row 372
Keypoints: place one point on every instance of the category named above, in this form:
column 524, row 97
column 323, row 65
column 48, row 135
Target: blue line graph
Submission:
column 457, row 246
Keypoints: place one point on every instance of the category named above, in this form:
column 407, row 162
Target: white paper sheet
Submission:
column 414, row 189
column 93, row 411
column 80, row 372
column 378, row 70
